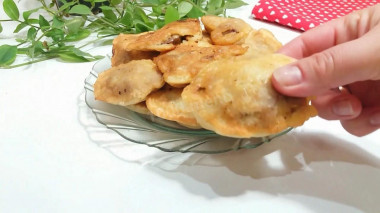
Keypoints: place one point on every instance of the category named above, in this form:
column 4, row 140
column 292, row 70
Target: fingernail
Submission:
column 288, row 75
column 375, row 119
column 343, row 108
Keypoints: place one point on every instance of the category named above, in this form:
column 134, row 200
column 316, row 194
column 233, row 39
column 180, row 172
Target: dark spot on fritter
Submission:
column 229, row 31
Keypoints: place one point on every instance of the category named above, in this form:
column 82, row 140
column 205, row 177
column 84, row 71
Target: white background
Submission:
column 55, row 157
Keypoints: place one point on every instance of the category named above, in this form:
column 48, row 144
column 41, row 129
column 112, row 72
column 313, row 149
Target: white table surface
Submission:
column 55, row 157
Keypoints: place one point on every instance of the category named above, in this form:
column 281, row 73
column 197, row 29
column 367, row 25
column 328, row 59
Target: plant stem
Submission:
column 29, row 62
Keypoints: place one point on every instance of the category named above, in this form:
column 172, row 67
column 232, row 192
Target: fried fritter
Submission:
column 120, row 55
column 184, row 62
column 232, row 31
column 235, row 98
column 166, row 38
column 167, row 103
column 226, row 31
column 210, row 22
column 128, row 84
column 139, row 108
column 259, row 43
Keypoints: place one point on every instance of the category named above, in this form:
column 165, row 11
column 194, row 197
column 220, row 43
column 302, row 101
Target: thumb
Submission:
column 356, row 60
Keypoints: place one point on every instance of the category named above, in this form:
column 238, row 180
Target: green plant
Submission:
column 71, row 21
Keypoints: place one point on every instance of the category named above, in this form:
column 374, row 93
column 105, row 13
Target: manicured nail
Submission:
column 288, row 76
column 375, row 119
column 343, row 108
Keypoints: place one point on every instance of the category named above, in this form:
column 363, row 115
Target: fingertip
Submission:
column 288, row 80
column 367, row 122
column 337, row 106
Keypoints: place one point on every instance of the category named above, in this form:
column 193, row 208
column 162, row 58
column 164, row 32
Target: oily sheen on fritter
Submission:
column 234, row 97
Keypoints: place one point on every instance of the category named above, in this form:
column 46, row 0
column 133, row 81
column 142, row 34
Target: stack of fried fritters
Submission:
column 217, row 78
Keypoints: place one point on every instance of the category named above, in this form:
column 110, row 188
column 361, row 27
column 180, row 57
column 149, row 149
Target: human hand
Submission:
column 339, row 65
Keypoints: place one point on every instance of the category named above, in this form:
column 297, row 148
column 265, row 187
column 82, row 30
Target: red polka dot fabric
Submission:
column 306, row 14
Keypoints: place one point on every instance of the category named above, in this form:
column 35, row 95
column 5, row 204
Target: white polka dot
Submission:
column 272, row 13
column 298, row 20
column 284, row 16
column 261, row 10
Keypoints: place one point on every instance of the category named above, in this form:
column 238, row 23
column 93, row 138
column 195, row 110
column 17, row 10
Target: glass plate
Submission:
column 156, row 132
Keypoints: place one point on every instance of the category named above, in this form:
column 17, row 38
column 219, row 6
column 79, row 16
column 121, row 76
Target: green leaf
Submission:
column 27, row 13
column 215, row 7
column 171, row 15
column 71, row 57
column 141, row 15
column 141, row 26
column 108, row 13
column 127, row 19
column 154, row 2
column 107, row 42
column 20, row 40
column 79, row 52
column 160, row 23
column 76, row 55
column 73, row 25
column 184, row 8
column 1, row 28
column 78, row 36
column 10, row 8
column 157, row 9
column 115, row 2
column 35, row 49
column 195, row 13
column 20, row 27
column 7, row 54
column 56, row 34
column 107, row 32
column 33, row 21
column 232, row 4
column 80, row 9
column 106, row 8
column 215, row 3
column 96, row 1
column 44, row 24
column 32, row 33
column 66, row 6
column 57, row 23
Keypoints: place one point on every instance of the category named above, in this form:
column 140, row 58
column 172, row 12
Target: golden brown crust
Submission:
column 129, row 83
column 167, row 103
column 166, row 38
column 232, row 31
column 259, row 43
column 235, row 98
column 210, row 22
column 184, row 62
